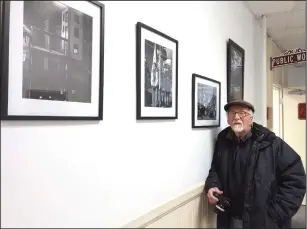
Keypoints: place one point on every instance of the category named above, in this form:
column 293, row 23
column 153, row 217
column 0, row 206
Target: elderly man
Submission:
column 261, row 174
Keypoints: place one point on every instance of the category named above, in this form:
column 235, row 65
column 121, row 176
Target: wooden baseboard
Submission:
column 188, row 210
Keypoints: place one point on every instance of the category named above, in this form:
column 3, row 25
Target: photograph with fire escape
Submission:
column 57, row 52
column 158, row 75
column 206, row 102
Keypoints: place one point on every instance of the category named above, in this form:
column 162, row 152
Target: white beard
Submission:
column 237, row 128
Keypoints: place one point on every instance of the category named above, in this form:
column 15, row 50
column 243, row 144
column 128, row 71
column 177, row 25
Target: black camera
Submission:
column 222, row 205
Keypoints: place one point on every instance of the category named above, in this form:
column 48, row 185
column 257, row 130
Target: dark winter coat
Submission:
column 275, row 182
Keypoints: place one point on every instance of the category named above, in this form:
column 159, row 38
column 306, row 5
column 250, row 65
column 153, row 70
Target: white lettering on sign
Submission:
column 299, row 57
column 296, row 57
column 283, row 60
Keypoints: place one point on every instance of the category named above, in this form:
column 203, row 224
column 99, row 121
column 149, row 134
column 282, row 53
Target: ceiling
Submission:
column 285, row 21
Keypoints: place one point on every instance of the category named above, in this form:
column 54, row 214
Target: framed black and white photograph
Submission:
column 52, row 60
column 157, row 74
column 206, row 102
column 235, row 71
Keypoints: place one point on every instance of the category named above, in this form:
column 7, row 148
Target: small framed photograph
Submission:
column 157, row 74
column 52, row 60
column 235, row 71
column 206, row 102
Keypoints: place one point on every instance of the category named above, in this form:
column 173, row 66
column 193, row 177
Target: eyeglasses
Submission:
column 240, row 113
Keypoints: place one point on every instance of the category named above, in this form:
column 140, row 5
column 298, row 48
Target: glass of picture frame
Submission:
column 235, row 71
column 206, row 102
column 52, row 60
column 157, row 74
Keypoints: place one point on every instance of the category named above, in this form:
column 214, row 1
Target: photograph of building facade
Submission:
column 206, row 102
column 57, row 52
column 158, row 75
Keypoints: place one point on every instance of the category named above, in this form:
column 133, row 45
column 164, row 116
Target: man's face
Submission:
column 239, row 118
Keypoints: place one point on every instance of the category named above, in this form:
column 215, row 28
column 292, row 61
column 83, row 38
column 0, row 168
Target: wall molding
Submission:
column 167, row 208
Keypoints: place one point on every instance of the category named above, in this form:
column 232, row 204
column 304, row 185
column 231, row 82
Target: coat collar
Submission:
column 258, row 132
column 231, row 135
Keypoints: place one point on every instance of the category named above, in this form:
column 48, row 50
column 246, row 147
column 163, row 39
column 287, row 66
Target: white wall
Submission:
column 88, row 174
column 296, row 76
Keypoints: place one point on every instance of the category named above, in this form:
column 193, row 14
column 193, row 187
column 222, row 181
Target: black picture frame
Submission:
column 156, row 94
column 206, row 102
column 31, row 90
column 235, row 72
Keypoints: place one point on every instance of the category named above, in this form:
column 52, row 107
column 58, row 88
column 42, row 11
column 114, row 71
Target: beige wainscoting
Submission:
column 190, row 210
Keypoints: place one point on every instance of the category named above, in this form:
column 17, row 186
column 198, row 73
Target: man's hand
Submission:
column 211, row 197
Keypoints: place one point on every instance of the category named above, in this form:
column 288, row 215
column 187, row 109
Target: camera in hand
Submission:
column 222, row 205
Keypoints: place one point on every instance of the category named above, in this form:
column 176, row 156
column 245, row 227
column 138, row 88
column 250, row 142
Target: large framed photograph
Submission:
column 235, row 71
column 206, row 102
column 52, row 60
column 157, row 74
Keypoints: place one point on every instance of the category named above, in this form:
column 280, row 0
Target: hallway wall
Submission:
column 275, row 77
column 89, row 174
